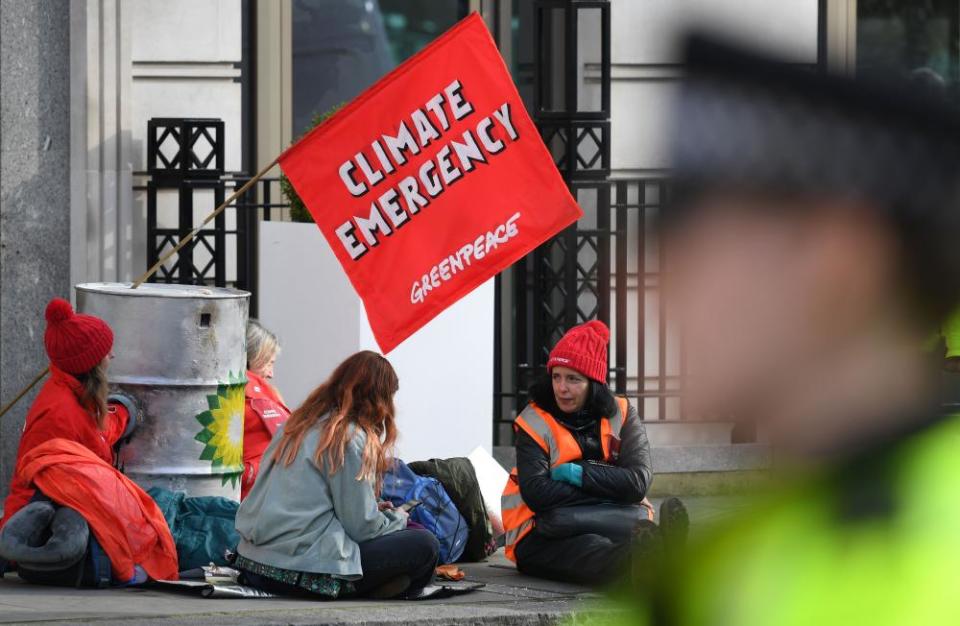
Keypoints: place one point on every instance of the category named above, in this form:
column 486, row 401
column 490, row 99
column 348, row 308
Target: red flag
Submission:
column 430, row 182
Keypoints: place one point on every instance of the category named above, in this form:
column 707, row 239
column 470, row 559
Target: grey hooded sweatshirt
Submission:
column 300, row 517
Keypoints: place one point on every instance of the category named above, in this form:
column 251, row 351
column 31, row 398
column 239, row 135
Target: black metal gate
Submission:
column 566, row 280
column 607, row 265
column 185, row 157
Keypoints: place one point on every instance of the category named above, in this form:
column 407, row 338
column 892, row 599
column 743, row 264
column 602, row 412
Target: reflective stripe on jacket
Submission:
column 518, row 518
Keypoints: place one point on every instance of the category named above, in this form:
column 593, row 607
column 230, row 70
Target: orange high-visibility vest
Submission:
column 518, row 518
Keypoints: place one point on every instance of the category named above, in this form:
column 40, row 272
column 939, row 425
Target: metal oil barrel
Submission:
column 180, row 350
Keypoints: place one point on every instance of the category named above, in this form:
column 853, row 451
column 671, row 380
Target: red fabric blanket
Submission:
column 125, row 520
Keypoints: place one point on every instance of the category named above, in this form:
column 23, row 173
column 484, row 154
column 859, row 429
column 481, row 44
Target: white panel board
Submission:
column 186, row 30
column 445, row 403
column 646, row 31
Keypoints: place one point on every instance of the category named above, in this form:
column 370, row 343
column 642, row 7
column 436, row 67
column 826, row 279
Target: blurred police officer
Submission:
column 812, row 251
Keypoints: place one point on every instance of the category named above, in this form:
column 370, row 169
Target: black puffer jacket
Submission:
column 626, row 481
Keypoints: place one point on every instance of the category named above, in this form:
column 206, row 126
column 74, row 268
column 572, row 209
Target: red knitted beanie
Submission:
column 75, row 343
column 584, row 349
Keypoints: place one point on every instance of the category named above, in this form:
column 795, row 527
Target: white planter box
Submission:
column 445, row 403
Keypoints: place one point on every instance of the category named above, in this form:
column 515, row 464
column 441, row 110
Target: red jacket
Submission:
column 57, row 413
column 125, row 520
column 264, row 412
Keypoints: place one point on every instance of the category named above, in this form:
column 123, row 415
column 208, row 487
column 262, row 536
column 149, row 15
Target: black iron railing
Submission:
column 652, row 373
column 608, row 267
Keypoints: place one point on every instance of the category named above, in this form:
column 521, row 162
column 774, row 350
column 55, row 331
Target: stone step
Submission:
column 674, row 459
column 673, row 433
column 710, row 458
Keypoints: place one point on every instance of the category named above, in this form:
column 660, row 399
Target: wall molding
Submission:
column 635, row 72
column 153, row 70
column 101, row 197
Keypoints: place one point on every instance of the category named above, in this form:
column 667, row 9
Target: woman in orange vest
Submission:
column 577, row 446
column 264, row 408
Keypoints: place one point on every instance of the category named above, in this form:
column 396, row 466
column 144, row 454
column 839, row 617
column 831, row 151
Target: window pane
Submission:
column 341, row 47
column 412, row 24
column 919, row 39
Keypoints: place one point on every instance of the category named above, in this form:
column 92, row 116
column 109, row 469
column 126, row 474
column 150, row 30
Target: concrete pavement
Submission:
column 508, row 599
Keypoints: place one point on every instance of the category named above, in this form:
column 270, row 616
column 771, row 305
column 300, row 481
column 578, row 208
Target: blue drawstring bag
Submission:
column 437, row 514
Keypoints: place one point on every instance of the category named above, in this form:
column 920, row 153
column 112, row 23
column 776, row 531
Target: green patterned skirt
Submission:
column 320, row 584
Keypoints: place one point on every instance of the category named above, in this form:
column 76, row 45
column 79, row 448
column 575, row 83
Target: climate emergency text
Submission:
column 395, row 202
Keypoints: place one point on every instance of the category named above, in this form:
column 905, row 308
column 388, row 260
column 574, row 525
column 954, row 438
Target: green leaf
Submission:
column 298, row 210
column 204, row 436
column 231, row 478
column 205, row 418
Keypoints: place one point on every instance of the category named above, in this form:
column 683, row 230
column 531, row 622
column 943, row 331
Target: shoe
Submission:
column 647, row 555
column 438, row 592
column 674, row 525
column 391, row 589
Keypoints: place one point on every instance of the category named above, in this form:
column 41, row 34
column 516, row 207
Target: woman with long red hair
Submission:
column 312, row 522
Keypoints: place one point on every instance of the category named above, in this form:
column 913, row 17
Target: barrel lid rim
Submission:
column 163, row 290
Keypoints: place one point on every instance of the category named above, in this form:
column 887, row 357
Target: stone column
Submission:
column 34, row 194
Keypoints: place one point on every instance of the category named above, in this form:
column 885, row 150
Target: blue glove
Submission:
column 568, row 473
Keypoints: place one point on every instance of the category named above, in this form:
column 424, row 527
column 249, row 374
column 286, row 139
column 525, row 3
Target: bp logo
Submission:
column 222, row 434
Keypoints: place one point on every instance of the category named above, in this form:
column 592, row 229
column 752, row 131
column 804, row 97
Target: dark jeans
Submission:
column 585, row 559
column 411, row 552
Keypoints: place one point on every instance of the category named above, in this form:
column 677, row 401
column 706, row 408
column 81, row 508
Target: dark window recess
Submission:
column 919, row 40
column 341, row 47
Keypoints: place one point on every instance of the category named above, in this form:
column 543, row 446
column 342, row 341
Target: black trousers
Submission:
column 411, row 552
column 584, row 559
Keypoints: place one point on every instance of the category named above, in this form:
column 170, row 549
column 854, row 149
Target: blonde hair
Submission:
column 262, row 345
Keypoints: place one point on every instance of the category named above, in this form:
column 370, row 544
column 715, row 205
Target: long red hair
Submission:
column 358, row 393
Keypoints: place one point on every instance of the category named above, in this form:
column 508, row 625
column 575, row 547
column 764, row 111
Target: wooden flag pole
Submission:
column 153, row 269
column 25, row 390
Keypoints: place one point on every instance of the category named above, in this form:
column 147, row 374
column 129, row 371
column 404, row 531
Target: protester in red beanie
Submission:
column 584, row 350
column 73, row 404
column 582, row 455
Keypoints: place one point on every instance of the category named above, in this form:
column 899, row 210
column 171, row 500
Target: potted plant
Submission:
column 298, row 210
